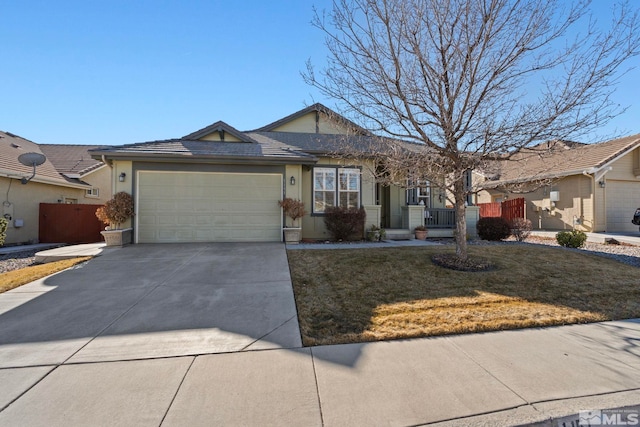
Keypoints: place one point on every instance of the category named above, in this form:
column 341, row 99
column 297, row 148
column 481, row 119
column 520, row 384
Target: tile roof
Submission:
column 218, row 126
column 267, row 146
column 320, row 143
column 559, row 159
column 71, row 159
column 264, row 149
column 257, row 145
column 11, row 146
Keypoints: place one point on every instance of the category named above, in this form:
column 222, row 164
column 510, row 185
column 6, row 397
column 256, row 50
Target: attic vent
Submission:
column 14, row 145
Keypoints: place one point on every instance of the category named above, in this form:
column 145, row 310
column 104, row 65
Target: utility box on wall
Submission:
column 554, row 196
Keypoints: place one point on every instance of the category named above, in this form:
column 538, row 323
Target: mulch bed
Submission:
column 451, row 261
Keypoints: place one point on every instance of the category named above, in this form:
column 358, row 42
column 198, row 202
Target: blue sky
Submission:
column 116, row 72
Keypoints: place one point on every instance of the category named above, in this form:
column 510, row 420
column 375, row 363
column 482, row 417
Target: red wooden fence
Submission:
column 490, row 209
column 513, row 208
column 62, row 223
column 509, row 209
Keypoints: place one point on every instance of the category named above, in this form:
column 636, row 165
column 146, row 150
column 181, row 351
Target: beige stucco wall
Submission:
column 623, row 169
column 573, row 210
column 120, row 166
column 582, row 197
column 22, row 202
column 307, row 124
column 102, row 180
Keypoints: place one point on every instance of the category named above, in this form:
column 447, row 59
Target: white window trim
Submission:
column 89, row 193
column 336, row 171
column 349, row 172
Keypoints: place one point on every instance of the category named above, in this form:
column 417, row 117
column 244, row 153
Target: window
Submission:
column 335, row 186
column 93, row 192
column 420, row 194
column 349, row 188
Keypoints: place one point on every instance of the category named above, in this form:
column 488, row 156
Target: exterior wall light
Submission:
column 601, row 183
column 292, row 180
column 122, row 177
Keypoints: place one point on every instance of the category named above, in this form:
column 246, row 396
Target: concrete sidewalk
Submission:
column 501, row 378
column 73, row 251
column 207, row 334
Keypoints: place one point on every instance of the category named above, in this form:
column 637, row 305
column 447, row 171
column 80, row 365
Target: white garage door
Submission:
column 623, row 198
column 208, row 207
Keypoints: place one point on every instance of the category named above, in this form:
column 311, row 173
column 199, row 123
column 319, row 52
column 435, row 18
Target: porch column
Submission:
column 412, row 216
column 373, row 216
column 472, row 216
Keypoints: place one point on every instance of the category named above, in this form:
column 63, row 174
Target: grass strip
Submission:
column 358, row 295
column 13, row 279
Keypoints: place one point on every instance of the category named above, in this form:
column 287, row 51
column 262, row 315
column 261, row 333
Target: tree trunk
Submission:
column 461, row 220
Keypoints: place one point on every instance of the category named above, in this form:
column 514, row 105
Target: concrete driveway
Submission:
column 151, row 301
column 160, row 335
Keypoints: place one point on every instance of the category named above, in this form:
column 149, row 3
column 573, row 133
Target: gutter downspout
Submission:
column 104, row 160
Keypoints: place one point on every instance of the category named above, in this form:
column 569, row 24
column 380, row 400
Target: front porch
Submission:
column 440, row 222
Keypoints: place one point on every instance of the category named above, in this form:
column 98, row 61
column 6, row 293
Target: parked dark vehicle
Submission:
column 636, row 217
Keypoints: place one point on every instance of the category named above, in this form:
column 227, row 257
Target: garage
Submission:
column 623, row 198
column 208, row 207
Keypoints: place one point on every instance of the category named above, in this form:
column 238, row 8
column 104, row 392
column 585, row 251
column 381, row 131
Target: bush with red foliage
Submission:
column 493, row 228
column 345, row 223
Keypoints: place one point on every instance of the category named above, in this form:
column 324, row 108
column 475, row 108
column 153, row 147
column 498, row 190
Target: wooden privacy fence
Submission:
column 509, row 209
column 62, row 223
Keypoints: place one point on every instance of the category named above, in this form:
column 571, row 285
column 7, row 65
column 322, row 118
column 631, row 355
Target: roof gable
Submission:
column 315, row 119
column 219, row 131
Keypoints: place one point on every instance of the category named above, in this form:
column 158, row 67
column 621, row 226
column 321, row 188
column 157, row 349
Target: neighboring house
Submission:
column 69, row 175
column 596, row 187
column 221, row 184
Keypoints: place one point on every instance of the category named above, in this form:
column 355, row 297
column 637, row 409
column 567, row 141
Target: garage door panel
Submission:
column 623, row 198
column 190, row 207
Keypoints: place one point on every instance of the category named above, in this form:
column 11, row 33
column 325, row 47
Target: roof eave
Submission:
column 495, row 184
column 40, row 179
column 161, row 157
column 628, row 149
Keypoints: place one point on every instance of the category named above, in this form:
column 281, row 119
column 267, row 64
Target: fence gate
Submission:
column 513, row 208
column 509, row 209
column 63, row 223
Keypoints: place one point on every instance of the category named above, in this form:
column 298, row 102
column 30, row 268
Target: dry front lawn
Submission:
column 356, row 295
column 13, row 279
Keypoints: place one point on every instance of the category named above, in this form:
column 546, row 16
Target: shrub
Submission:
column 571, row 239
column 3, row 229
column 345, row 223
column 493, row 228
column 117, row 210
column 376, row 234
column 521, row 228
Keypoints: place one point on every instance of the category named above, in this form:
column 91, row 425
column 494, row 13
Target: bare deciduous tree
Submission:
column 471, row 80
